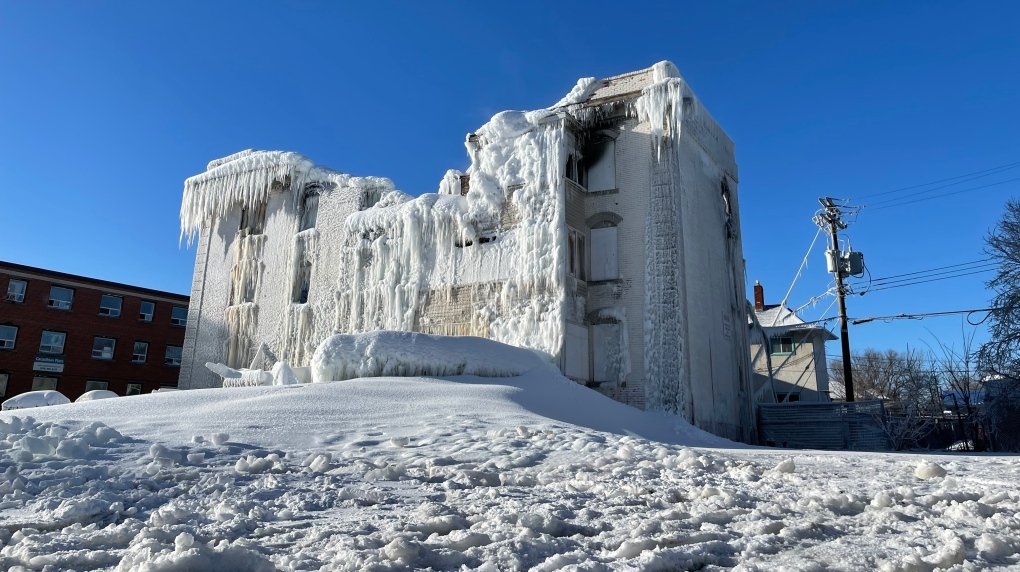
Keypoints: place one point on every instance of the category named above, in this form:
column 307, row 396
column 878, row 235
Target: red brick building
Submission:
column 74, row 334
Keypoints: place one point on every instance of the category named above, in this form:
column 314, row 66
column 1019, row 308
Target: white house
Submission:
column 799, row 366
column 603, row 231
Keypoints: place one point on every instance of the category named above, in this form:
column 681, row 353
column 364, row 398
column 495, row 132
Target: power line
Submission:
column 959, row 271
column 930, row 280
column 996, row 170
column 923, row 315
column 938, row 196
column 932, row 269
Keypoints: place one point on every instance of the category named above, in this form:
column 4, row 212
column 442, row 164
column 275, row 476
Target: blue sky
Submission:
column 106, row 107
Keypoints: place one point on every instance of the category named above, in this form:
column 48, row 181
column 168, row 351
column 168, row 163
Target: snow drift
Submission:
column 404, row 354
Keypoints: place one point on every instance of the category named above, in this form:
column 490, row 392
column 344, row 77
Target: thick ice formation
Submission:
column 407, row 249
column 409, row 354
column 661, row 105
column 248, row 178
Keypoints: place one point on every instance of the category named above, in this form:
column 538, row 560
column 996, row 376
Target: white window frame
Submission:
column 60, row 304
column 102, row 354
column 177, row 321
column 43, row 345
column 12, row 295
column 779, row 339
column 137, row 357
column 96, row 384
column 133, row 389
column 176, row 362
column 142, row 316
column 110, row 311
column 8, row 343
column 40, row 382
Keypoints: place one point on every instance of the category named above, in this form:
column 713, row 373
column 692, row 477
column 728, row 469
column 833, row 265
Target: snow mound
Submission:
column 41, row 398
column 410, row 354
column 96, row 394
column 928, row 470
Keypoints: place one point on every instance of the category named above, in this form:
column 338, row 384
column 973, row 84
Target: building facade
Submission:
column 797, row 350
column 603, row 231
column 74, row 334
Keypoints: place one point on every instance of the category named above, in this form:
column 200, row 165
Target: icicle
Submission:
column 246, row 179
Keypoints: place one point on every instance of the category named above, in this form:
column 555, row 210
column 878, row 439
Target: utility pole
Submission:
column 831, row 216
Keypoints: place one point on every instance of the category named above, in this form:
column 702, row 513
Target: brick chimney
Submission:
column 759, row 297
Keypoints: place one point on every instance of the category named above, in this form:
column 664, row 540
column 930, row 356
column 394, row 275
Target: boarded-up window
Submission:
column 602, row 167
column 607, row 342
column 576, row 365
column 575, row 254
column 604, row 264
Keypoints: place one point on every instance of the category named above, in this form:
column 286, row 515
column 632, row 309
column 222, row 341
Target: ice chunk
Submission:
column 928, row 470
column 72, row 449
column 786, row 466
column 283, row 374
column 219, row 438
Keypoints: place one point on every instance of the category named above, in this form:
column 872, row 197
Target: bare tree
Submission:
column 899, row 378
column 959, row 376
column 1001, row 353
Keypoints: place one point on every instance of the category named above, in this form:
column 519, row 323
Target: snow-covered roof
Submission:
column 778, row 319
column 590, row 91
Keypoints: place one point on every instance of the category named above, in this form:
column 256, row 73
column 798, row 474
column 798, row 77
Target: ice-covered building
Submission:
column 603, row 231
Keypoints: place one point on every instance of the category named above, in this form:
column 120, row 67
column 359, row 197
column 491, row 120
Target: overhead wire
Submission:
column 896, row 204
column 931, row 280
column 982, row 260
column 982, row 173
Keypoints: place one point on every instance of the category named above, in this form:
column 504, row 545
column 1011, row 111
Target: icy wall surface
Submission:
column 506, row 231
column 667, row 382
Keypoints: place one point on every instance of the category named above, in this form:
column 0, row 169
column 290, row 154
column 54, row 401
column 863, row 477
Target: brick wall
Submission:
column 82, row 323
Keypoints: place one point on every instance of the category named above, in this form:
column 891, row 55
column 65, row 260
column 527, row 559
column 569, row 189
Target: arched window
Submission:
column 309, row 210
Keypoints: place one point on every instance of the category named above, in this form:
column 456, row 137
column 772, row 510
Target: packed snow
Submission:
column 525, row 472
column 41, row 398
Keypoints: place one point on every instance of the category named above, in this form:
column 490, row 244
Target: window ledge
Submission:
column 609, row 281
column 605, row 192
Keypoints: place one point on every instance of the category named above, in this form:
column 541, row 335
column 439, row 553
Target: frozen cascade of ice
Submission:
column 246, row 178
column 297, row 340
column 667, row 381
column 403, row 248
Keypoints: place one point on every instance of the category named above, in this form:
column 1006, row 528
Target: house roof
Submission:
column 777, row 319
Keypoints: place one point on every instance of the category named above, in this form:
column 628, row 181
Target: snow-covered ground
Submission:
column 531, row 472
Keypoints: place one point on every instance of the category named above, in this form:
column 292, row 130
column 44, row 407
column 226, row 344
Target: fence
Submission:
column 856, row 426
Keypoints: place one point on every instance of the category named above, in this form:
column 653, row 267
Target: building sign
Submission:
column 48, row 363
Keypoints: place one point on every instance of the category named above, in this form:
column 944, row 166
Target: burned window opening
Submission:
column 310, row 209
column 253, row 221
